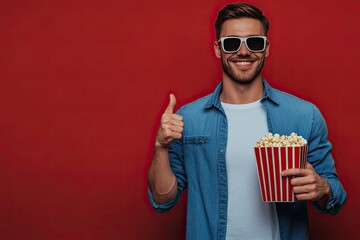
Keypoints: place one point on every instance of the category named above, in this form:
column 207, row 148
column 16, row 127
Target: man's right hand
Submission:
column 171, row 125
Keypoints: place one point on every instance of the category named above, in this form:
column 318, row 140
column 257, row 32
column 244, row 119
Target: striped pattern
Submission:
column 271, row 161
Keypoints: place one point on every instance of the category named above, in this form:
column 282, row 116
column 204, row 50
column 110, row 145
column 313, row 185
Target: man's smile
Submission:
column 243, row 63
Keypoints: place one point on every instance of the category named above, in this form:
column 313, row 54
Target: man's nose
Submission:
column 243, row 51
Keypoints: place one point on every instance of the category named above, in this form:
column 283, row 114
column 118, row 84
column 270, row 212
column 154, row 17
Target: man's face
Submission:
column 244, row 66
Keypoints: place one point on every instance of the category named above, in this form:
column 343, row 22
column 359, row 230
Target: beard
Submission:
column 243, row 78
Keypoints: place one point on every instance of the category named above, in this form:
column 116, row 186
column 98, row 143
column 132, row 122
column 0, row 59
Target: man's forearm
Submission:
column 162, row 181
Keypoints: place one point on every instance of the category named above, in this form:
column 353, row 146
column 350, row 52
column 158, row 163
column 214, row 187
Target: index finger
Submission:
column 176, row 117
column 293, row 172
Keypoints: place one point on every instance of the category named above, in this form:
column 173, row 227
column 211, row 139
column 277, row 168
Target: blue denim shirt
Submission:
column 198, row 162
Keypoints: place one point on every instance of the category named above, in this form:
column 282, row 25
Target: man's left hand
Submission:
column 308, row 185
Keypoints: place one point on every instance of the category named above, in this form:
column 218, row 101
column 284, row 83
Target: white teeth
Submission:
column 243, row 63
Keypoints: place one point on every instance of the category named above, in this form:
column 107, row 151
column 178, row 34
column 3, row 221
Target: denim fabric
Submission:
column 198, row 162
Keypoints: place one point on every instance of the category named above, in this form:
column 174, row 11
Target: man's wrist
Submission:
column 328, row 192
column 160, row 146
column 327, row 195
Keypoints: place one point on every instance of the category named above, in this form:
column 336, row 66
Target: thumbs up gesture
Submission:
column 171, row 125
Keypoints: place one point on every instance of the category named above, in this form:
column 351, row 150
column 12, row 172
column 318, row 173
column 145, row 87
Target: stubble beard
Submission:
column 243, row 80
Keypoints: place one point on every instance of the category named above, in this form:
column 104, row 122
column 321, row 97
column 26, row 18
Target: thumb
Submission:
column 172, row 103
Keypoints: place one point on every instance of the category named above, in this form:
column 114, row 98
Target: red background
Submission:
column 83, row 84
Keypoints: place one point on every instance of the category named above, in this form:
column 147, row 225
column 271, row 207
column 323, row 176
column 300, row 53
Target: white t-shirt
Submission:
column 248, row 216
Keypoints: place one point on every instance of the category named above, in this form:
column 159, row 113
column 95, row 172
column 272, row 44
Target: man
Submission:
column 208, row 145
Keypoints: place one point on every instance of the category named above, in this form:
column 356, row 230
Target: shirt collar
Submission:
column 214, row 99
column 269, row 93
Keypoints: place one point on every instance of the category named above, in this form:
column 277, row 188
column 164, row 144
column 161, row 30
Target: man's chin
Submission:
column 243, row 80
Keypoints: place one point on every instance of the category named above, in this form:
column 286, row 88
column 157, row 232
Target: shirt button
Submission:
column 222, row 150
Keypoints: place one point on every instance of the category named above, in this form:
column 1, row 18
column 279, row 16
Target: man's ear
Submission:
column 267, row 49
column 217, row 49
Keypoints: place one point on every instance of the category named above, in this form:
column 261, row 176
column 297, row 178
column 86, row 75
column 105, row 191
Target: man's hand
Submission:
column 308, row 185
column 171, row 125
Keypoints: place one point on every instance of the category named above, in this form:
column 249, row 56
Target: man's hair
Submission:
column 240, row 10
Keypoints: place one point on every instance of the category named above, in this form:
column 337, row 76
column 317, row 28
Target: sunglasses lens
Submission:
column 255, row 43
column 231, row 44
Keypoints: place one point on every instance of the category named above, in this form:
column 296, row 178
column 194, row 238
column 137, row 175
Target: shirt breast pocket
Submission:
column 198, row 152
column 199, row 139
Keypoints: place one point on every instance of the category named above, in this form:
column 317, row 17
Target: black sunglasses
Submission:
column 233, row 44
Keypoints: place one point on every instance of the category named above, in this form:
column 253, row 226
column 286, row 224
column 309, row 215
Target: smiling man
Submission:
column 208, row 145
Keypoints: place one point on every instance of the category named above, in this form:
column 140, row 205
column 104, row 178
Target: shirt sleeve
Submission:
column 162, row 208
column 321, row 159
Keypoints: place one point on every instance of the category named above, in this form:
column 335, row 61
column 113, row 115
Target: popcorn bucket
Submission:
column 271, row 161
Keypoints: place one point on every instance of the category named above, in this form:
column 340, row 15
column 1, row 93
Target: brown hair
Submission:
column 240, row 10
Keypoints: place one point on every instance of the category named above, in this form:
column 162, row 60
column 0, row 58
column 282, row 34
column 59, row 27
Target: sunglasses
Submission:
column 233, row 44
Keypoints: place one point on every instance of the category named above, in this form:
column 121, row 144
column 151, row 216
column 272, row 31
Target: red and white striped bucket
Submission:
column 271, row 161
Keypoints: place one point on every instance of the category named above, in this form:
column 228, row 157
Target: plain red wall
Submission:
column 83, row 84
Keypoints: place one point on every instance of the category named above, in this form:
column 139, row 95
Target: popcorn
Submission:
column 275, row 140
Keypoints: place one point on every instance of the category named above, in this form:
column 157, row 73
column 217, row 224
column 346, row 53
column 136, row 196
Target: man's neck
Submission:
column 236, row 93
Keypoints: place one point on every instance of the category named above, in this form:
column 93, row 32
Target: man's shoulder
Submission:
column 285, row 104
column 291, row 100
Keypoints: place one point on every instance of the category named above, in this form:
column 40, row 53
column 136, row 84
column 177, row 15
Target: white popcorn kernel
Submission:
column 275, row 140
